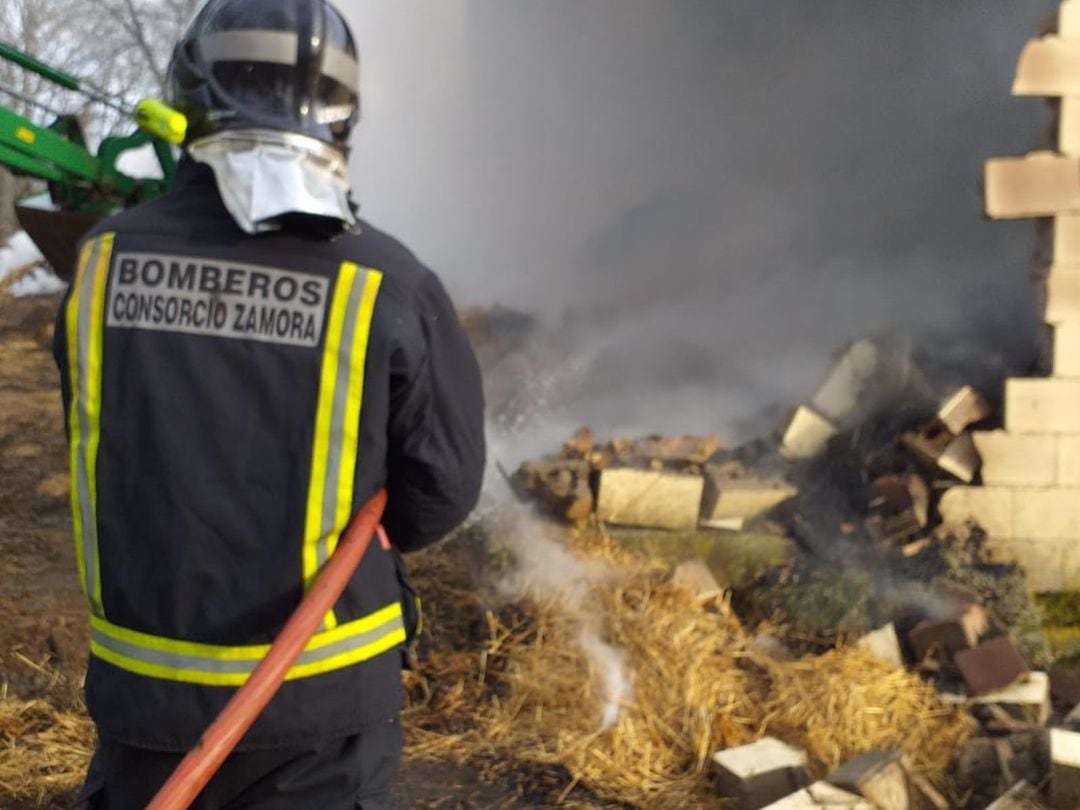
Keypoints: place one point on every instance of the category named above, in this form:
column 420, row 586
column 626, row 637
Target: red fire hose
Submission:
column 221, row 737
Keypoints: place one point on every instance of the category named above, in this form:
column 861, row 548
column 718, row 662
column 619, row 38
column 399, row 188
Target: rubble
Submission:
column 760, row 773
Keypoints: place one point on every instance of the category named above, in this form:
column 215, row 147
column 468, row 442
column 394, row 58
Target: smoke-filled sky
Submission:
column 747, row 183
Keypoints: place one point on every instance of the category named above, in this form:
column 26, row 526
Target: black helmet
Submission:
column 288, row 65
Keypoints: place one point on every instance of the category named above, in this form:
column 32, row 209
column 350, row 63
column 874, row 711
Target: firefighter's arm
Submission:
column 435, row 456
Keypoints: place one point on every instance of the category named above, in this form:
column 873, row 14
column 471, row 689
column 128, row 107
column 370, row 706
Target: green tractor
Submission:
column 82, row 187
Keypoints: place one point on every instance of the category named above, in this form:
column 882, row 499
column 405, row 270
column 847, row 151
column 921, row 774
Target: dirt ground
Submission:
column 43, row 629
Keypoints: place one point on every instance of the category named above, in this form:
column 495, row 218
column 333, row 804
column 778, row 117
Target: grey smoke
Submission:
column 707, row 196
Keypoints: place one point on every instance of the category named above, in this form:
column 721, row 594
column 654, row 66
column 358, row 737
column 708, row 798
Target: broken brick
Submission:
column 994, row 664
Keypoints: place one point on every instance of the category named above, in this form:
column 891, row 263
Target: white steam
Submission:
column 544, row 567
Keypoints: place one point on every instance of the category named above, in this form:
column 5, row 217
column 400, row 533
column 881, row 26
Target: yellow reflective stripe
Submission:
column 84, row 324
column 93, row 402
column 365, row 624
column 198, row 677
column 214, row 665
column 71, row 323
column 166, row 673
column 327, row 382
column 368, row 651
column 350, row 429
column 354, row 404
column 188, row 648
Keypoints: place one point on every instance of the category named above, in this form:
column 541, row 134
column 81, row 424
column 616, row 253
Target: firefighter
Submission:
column 244, row 364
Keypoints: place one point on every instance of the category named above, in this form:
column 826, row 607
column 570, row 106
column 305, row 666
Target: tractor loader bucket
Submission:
column 55, row 232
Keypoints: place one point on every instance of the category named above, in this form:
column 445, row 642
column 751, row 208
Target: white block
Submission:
column 649, row 498
column 1066, row 351
column 821, row 794
column 1049, row 66
column 1042, row 405
column 1016, row 459
column 806, row 435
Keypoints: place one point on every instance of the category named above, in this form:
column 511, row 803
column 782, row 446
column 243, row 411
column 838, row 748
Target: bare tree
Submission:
column 121, row 47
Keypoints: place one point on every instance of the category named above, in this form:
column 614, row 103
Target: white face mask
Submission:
column 263, row 174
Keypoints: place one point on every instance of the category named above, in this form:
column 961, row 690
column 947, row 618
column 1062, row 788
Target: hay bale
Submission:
column 43, row 752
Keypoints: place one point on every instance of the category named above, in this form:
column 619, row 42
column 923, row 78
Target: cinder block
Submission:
column 1044, row 561
column 1049, row 66
column 994, row 664
column 1061, row 295
column 746, row 497
column 988, row 507
column 1065, row 350
column 1065, row 769
column 1016, row 459
column 1041, row 184
column 1042, row 405
column 760, row 773
column 821, row 794
column 650, row 498
column 1050, row 513
column 1028, row 702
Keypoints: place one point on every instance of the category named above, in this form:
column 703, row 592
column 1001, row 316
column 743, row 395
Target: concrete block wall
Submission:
column 1029, row 501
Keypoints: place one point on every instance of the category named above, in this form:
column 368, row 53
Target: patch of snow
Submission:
column 19, row 252
column 140, row 163
column 40, row 281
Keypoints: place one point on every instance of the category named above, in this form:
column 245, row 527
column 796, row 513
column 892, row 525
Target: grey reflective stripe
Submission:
column 343, row 68
column 86, row 516
column 275, row 47
column 222, row 666
column 329, row 532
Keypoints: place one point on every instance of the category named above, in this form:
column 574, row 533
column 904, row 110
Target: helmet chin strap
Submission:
column 264, row 176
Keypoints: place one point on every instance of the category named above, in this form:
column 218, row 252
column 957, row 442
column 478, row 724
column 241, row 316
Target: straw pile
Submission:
column 43, row 752
column 532, row 698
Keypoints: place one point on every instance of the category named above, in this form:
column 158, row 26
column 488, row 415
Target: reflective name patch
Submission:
column 220, row 299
